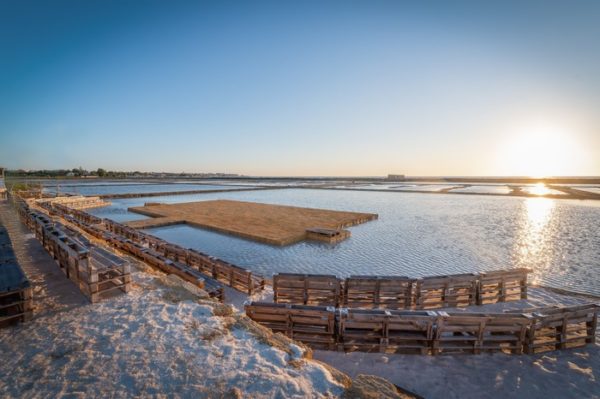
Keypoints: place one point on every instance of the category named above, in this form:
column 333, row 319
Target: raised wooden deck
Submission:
column 272, row 224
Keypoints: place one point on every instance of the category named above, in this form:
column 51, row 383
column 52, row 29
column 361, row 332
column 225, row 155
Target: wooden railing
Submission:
column 446, row 291
column 561, row 328
column 390, row 292
column 313, row 325
column 234, row 276
column 429, row 332
column 95, row 271
column 306, row 289
column 385, row 330
column 399, row 292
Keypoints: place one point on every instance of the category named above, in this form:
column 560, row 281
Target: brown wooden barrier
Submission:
column 306, row 289
column 432, row 332
column 390, row 292
column 105, row 272
column 385, row 330
column 234, row 276
column 313, row 325
column 561, row 328
column 477, row 332
column 399, row 292
column 502, row 286
column 446, row 291
column 95, row 271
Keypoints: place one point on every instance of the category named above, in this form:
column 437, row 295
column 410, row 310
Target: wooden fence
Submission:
column 476, row 332
column 502, row 286
column 385, row 330
column 399, row 292
column 561, row 328
column 446, row 291
column 390, row 292
column 313, row 325
column 95, row 271
column 127, row 239
column 234, row 276
column 306, row 289
column 429, row 332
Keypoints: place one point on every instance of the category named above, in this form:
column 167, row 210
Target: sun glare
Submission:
column 541, row 152
column 539, row 189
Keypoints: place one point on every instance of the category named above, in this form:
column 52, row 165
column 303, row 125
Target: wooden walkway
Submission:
column 51, row 290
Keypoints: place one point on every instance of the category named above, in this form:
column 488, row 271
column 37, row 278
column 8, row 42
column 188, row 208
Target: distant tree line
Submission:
column 100, row 172
column 63, row 173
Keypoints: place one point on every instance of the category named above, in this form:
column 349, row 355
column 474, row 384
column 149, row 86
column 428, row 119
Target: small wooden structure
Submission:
column 446, row 291
column 561, row 328
column 306, row 289
column 330, row 236
column 95, row 271
column 477, row 332
column 502, row 286
column 389, row 292
column 313, row 325
column 385, row 330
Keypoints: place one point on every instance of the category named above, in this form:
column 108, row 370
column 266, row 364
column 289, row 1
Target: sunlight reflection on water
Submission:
column 534, row 245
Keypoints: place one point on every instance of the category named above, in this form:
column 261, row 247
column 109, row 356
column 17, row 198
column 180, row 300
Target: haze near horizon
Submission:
column 299, row 89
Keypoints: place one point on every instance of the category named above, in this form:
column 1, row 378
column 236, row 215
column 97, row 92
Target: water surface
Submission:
column 415, row 235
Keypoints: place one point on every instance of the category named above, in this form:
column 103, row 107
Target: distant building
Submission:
column 396, row 177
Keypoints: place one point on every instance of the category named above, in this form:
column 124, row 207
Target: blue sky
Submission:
column 302, row 88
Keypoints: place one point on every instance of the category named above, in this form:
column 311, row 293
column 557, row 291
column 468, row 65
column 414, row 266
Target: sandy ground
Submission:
column 572, row 373
column 157, row 341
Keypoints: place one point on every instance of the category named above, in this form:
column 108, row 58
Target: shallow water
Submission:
column 415, row 235
column 102, row 189
column 484, row 189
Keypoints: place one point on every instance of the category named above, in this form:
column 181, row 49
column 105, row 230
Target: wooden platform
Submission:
column 271, row 224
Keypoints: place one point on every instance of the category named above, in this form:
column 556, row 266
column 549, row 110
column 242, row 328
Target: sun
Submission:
column 540, row 151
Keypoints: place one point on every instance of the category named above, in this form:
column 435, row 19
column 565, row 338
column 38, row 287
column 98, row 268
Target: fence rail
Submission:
column 127, row 239
column 94, row 270
column 234, row 276
column 400, row 292
column 306, row 289
column 429, row 332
